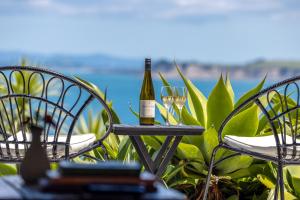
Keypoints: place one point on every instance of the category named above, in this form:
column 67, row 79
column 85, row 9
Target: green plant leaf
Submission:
column 184, row 181
column 287, row 195
column 165, row 82
column 229, row 87
column 251, row 171
column 188, row 119
column 163, row 113
column 264, row 120
column 219, row 105
column 293, row 178
column 191, row 106
column 91, row 86
column 152, row 142
column 7, row 169
column 124, row 148
column 209, row 140
column 234, row 163
column 172, row 171
column 251, row 92
column 196, row 166
column 97, row 154
column 296, row 184
column 189, row 152
column 266, row 181
column 54, row 166
column 136, row 114
column 115, row 117
column 194, row 140
column 197, row 101
column 244, row 123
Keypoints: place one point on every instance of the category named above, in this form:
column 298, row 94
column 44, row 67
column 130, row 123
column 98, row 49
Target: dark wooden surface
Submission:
column 12, row 187
column 138, row 130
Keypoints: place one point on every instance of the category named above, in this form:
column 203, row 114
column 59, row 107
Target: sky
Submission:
column 220, row 31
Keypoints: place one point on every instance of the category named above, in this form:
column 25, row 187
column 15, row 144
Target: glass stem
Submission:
column 180, row 117
column 167, row 121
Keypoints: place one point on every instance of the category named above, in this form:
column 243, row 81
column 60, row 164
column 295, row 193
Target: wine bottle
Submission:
column 147, row 97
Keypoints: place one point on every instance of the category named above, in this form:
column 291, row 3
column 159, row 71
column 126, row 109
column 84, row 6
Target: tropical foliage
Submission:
column 239, row 177
column 193, row 154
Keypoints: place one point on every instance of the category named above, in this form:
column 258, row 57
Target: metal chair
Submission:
column 279, row 105
column 36, row 96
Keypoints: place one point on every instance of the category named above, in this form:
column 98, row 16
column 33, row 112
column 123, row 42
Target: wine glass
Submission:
column 180, row 96
column 166, row 95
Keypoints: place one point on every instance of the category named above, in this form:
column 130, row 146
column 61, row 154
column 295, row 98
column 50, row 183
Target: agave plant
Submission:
column 237, row 177
column 189, row 165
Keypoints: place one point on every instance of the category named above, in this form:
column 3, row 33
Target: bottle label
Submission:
column 147, row 108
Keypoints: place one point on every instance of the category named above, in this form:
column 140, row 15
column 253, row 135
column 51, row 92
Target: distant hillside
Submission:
column 99, row 61
column 275, row 69
column 292, row 64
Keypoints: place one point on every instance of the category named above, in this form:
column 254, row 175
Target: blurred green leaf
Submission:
column 250, row 93
column 165, row 82
column 250, row 171
column 92, row 87
column 209, row 140
column 234, row 163
column 188, row 119
column 219, row 105
column 184, row 181
column 189, row 151
column 264, row 120
column 266, row 181
column 197, row 101
column 7, row 169
column 163, row 112
column 293, row 178
column 244, row 123
column 229, row 87
column 152, row 142
column 124, row 148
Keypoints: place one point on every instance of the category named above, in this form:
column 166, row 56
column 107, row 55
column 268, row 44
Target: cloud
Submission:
column 219, row 7
column 157, row 9
column 64, row 7
column 229, row 5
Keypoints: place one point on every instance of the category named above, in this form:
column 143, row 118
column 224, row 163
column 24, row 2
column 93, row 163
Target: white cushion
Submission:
column 77, row 142
column 265, row 145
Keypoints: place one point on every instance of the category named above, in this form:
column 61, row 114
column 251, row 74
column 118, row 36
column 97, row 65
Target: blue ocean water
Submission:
column 125, row 89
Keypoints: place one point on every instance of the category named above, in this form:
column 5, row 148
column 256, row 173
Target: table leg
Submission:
column 162, row 151
column 143, row 153
column 163, row 157
column 161, row 168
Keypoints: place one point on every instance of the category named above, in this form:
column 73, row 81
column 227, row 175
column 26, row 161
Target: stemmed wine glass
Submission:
column 180, row 96
column 166, row 95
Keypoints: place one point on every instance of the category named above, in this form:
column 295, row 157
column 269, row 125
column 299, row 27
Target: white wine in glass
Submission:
column 179, row 101
column 180, row 96
column 167, row 99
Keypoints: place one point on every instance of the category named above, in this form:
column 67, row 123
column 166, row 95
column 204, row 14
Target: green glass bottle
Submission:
column 147, row 97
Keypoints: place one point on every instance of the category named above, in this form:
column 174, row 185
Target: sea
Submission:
column 124, row 90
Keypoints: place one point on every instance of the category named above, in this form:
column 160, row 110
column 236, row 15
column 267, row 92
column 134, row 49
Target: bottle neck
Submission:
column 148, row 68
column 148, row 71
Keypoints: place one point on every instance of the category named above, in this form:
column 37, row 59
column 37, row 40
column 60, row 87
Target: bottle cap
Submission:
column 148, row 63
column 147, row 60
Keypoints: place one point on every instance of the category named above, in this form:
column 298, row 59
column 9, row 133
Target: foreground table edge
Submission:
column 139, row 130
